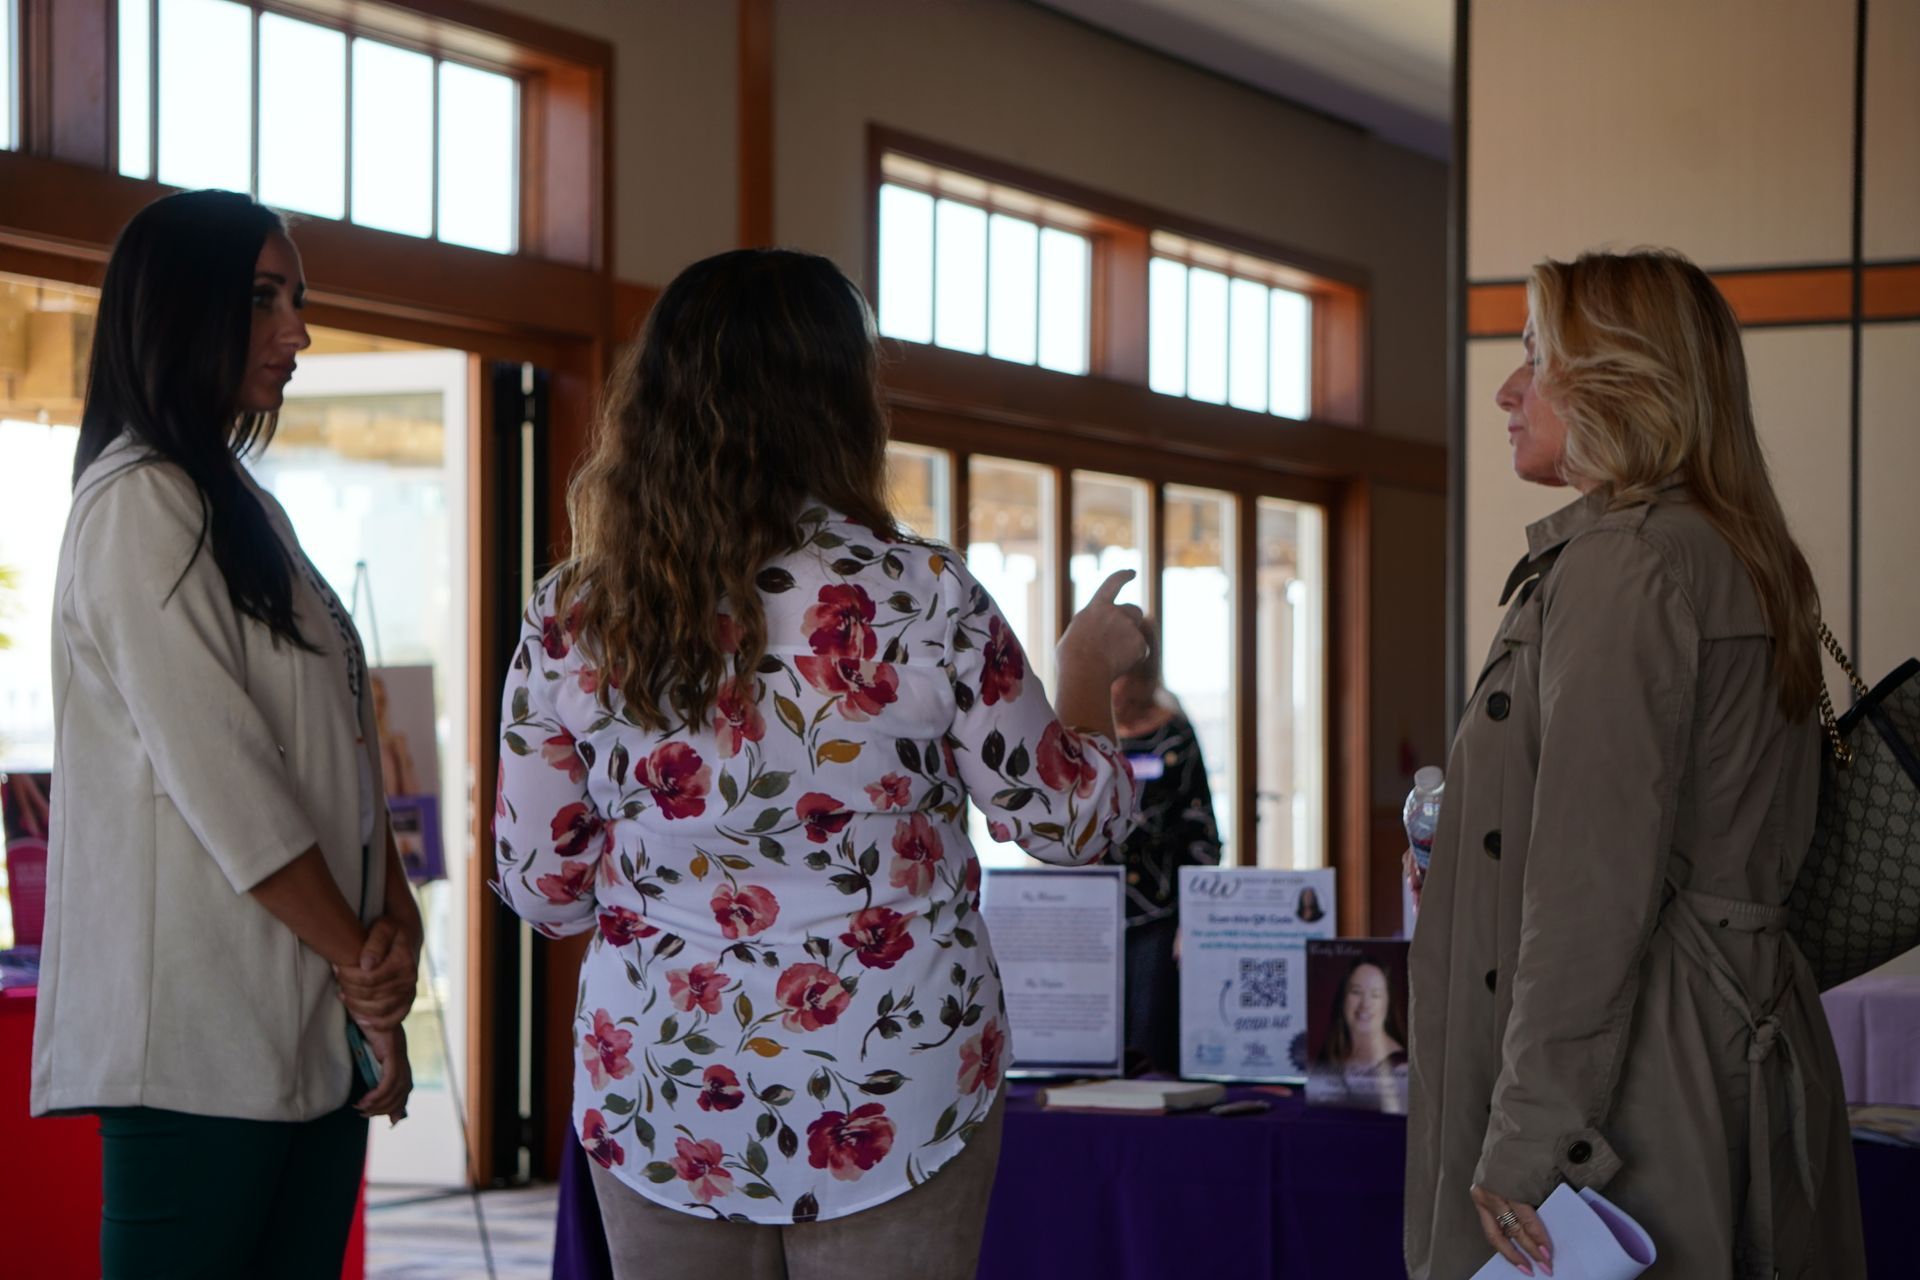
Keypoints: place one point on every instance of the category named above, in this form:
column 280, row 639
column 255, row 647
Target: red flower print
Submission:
column 1003, row 664
column 839, row 626
column 999, row 831
column 678, row 780
column 849, row 1145
column 812, row 996
column 569, row 886
column 823, row 815
column 598, row 1142
column 500, row 794
column 894, row 791
column 981, row 1057
column 560, row 752
column 698, row 987
column 946, row 753
column 604, row 1050
column 620, row 926
column 879, row 936
column 719, row 1089
column 736, row 722
column 698, row 1163
column 574, row 828
column 746, row 911
column 973, row 875
column 863, row 688
column 917, row 848
column 554, row 638
column 1062, row 761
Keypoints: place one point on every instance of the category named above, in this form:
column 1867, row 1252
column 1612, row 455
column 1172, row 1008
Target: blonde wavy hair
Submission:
column 754, row 390
column 1641, row 356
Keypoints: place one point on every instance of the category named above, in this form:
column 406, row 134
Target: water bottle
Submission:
column 1422, row 813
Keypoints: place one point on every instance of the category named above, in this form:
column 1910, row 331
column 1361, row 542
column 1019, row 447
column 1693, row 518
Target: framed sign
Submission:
column 1059, row 936
column 1244, row 932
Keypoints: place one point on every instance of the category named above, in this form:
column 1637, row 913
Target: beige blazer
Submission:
column 1603, row 989
column 193, row 758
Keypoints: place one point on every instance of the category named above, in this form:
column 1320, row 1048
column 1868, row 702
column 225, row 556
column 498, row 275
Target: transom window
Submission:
column 9, row 74
column 977, row 267
column 218, row 93
column 1223, row 330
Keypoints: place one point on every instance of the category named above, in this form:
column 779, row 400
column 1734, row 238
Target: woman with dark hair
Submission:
column 1307, row 906
column 1363, row 1062
column 221, row 875
column 740, row 732
column 1176, row 830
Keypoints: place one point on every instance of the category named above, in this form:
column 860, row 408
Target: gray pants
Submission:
column 929, row 1233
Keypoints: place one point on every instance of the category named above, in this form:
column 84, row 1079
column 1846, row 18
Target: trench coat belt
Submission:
column 1686, row 916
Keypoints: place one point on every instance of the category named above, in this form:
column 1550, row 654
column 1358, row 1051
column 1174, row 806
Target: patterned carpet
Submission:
column 425, row 1233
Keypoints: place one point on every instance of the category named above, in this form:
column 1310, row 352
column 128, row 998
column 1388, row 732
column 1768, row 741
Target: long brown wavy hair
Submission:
column 1642, row 357
column 752, row 392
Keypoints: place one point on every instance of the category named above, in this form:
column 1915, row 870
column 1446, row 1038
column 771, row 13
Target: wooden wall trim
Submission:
column 1118, row 413
column 756, row 123
column 1348, row 748
column 1760, row 298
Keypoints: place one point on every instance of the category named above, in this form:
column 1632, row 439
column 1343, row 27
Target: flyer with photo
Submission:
column 1357, row 1024
column 1244, row 934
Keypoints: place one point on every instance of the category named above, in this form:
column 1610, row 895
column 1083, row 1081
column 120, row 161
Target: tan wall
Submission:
column 1724, row 129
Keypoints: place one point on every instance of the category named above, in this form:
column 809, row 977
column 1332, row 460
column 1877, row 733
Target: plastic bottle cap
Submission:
column 1429, row 779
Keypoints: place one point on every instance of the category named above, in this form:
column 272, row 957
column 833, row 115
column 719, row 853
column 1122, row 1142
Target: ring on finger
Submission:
column 1508, row 1223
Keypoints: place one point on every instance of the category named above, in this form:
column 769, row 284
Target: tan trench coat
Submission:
column 1602, row 991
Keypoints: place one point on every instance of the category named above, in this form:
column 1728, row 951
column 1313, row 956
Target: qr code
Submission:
column 1263, row 983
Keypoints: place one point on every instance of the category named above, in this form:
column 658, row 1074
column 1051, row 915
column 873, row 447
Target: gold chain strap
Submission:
column 1842, row 753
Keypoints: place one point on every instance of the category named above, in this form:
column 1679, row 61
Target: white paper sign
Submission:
column 1592, row 1240
column 1059, row 937
column 1243, row 969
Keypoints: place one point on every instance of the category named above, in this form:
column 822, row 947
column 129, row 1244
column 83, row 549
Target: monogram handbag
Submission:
column 1856, row 903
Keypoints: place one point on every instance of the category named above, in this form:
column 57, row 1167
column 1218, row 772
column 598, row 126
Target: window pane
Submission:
column 8, row 91
column 303, row 117
column 1207, row 335
column 1065, row 267
column 1167, row 327
column 1013, row 296
column 1110, row 518
column 1197, row 634
column 206, row 94
column 1011, row 552
column 392, row 138
column 918, row 479
column 479, row 158
column 39, row 493
column 960, row 271
column 1292, row 354
column 906, row 264
column 136, row 88
column 1248, row 365
column 1290, row 586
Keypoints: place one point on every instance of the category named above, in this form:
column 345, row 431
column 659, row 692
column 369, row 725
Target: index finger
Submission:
column 1110, row 589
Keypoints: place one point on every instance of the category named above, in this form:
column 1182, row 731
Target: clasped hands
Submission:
column 378, row 993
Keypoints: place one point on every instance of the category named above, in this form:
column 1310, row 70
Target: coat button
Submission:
column 1492, row 844
column 1499, row 705
column 1493, row 976
column 1579, row 1153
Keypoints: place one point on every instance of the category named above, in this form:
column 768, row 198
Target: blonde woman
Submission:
column 1603, row 993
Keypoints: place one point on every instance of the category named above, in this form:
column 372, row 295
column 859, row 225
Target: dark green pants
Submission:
column 207, row 1197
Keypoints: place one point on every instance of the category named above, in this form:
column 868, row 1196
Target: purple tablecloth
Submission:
column 1294, row 1194
column 1876, row 1029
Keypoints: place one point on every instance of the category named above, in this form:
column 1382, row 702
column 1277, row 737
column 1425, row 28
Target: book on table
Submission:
column 1139, row 1097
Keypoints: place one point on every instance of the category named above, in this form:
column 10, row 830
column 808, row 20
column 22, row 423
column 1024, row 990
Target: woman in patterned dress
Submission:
column 740, row 733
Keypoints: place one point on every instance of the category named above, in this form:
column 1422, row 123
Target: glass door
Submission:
column 371, row 464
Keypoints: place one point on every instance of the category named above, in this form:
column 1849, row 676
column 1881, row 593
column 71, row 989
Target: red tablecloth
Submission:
column 50, row 1173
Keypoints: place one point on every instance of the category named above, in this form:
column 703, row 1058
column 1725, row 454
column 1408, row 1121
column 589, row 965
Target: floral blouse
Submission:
column 791, row 1010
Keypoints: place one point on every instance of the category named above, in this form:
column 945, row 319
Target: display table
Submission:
column 1295, row 1194
column 1876, row 1030
column 50, row 1172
